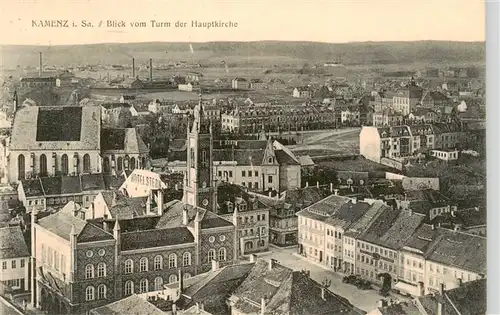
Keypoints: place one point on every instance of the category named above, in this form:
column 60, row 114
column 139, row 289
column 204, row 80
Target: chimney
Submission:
column 440, row 310
column 336, row 192
column 160, row 202
column 181, row 282
column 133, row 67
column 151, row 70
column 40, row 71
column 185, row 216
column 317, row 184
column 174, row 309
column 148, row 203
column 323, row 293
column 263, row 306
column 441, row 288
column 253, row 258
column 215, row 265
column 354, row 200
column 270, row 193
column 272, row 262
column 433, row 226
column 105, row 226
column 307, row 184
column 331, row 187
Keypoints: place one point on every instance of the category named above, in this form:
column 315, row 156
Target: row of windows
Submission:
column 334, row 233
column 157, row 263
column 52, row 258
column 101, row 293
column 258, row 231
column 251, row 185
column 101, row 271
column 21, row 164
column 144, row 284
column 243, row 173
column 375, row 249
column 222, row 254
column 13, row 264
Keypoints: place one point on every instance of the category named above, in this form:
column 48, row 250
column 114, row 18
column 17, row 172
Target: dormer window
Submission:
column 230, row 206
column 243, row 207
column 270, row 160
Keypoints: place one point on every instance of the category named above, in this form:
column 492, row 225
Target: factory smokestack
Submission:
column 133, row 67
column 151, row 70
column 40, row 71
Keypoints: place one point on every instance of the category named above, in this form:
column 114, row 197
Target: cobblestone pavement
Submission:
column 363, row 299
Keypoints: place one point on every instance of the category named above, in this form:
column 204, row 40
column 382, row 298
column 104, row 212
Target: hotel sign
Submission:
column 144, row 180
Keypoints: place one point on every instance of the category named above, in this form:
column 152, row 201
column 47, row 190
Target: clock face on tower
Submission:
column 205, row 202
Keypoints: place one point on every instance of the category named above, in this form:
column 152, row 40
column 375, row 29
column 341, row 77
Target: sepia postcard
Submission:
column 243, row 157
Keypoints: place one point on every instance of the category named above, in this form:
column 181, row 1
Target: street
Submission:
column 363, row 299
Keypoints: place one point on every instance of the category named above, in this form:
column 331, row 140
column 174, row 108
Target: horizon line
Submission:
column 250, row 41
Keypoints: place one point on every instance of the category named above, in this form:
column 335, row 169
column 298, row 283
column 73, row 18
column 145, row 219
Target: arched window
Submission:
column 158, row 262
column 101, row 291
column 143, row 264
column 89, row 271
column 187, row 275
column 132, row 163
column 90, row 293
column 129, row 288
column 64, row 164
column 172, row 278
column 261, row 243
column 222, row 254
column 129, row 266
column 119, row 164
column 186, row 259
column 126, row 162
column 105, row 166
column 143, row 162
column 172, row 261
column 143, row 286
column 101, row 270
column 21, row 167
column 158, row 283
column 43, row 165
column 211, row 255
column 86, row 163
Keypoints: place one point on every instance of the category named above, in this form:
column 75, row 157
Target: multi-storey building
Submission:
column 312, row 227
column 377, row 248
column 30, row 82
column 435, row 257
column 14, row 258
column 397, row 141
column 408, row 98
column 278, row 118
column 387, row 117
column 52, row 141
column 283, row 221
column 423, row 116
column 54, row 192
column 433, row 99
column 248, row 215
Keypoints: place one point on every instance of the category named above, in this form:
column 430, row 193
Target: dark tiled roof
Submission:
column 92, row 182
column 367, row 219
column 156, row 238
column 113, row 182
column 285, row 290
column 172, row 216
column 133, row 304
column 92, row 233
column 32, row 187
column 423, row 237
column 56, row 128
column 284, row 158
column 469, row 298
column 392, row 228
column 59, row 124
column 348, row 213
column 12, row 243
column 123, row 139
column 460, row 250
column 324, row 208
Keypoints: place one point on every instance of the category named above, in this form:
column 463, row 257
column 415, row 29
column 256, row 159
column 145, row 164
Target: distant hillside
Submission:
column 364, row 53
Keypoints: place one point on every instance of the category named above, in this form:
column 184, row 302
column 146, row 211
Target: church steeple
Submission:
column 200, row 186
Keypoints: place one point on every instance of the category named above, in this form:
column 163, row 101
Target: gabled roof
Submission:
column 323, row 209
column 56, row 128
column 12, row 243
column 62, row 222
column 468, row 299
column 63, row 185
column 347, row 214
column 133, row 304
column 126, row 140
column 288, row 291
column 393, row 228
column 173, row 213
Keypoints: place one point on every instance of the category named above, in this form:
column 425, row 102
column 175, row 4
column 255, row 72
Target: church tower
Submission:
column 199, row 189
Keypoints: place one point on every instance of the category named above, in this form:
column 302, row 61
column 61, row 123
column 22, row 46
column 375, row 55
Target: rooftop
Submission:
column 133, row 304
column 12, row 243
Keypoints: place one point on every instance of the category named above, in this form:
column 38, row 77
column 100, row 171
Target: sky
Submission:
column 336, row 21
